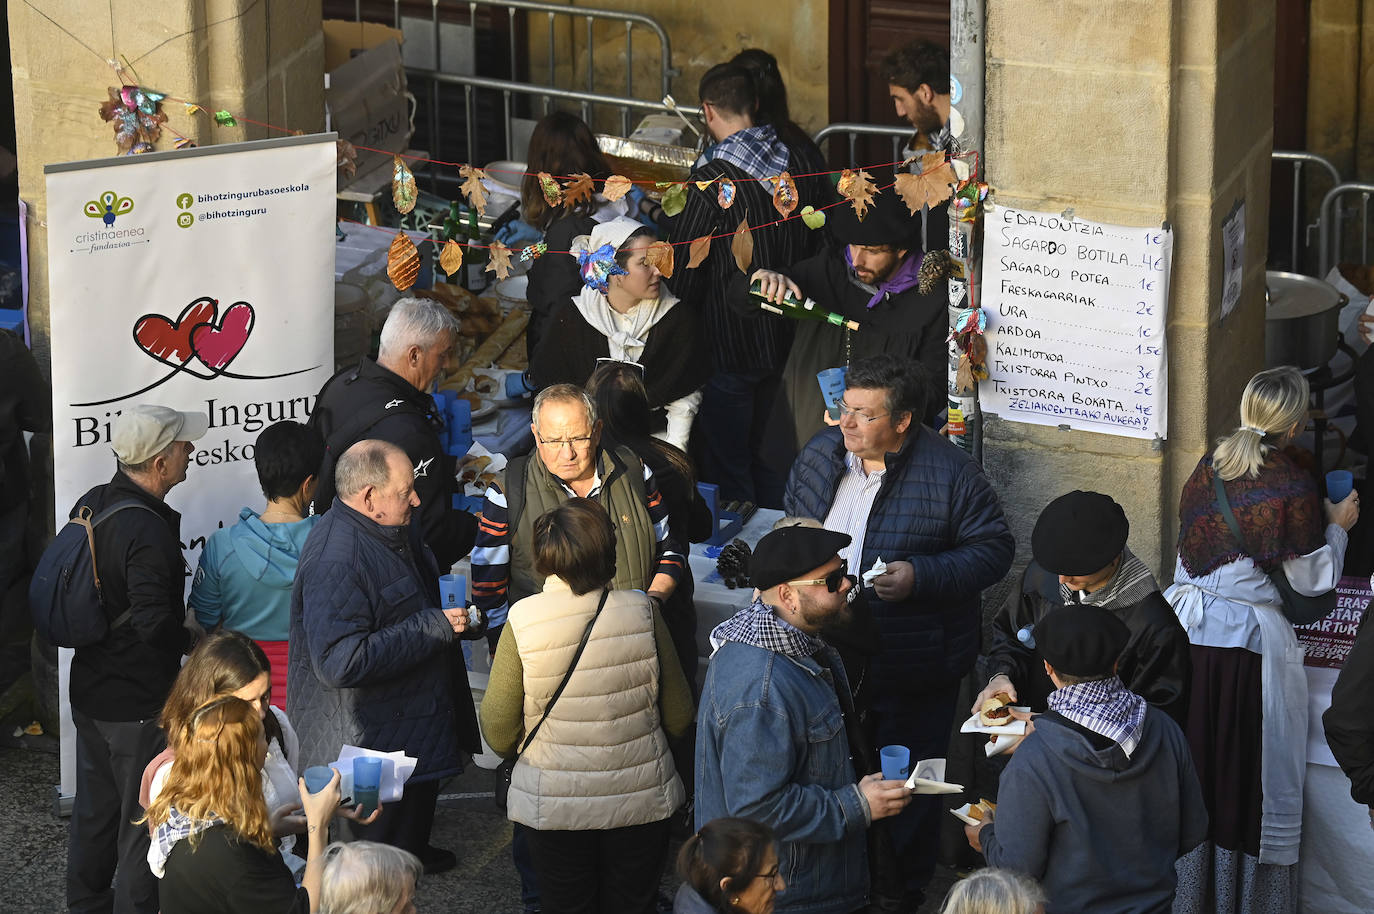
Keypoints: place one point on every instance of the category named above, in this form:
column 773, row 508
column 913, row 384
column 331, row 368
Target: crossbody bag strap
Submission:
column 84, row 518
column 586, row 633
column 1227, row 514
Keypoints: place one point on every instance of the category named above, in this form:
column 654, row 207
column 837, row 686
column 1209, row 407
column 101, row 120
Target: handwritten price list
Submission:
column 1076, row 313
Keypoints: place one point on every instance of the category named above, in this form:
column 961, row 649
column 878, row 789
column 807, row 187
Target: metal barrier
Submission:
column 588, row 97
column 854, row 131
column 1299, row 160
column 1329, row 241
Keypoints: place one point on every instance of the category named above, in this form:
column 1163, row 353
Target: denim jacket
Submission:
column 771, row 746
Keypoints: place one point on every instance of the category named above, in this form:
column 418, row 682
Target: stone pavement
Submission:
column 33, row 842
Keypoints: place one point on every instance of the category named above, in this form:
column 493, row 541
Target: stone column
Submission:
column 1137, row 113
column 264, row 61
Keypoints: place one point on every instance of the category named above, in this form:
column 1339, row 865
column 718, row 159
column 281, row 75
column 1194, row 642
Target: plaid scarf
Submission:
column 166, row 835
column 1132, row 583
column 754, row 150
column 759, row 625
column 1104, row 706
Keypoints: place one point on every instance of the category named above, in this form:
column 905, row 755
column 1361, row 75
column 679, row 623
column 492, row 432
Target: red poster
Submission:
column 1328, row 641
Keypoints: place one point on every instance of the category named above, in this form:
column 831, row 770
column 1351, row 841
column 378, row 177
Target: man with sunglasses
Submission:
column 776, row 725
column 919, row 504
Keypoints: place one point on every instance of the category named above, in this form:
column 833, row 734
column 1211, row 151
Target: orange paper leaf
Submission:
column 472, row 188
column 699, row 250
column 579, row 189
column 403, row 190
column 858, row 188
column 346, row 158
column 402, row 262
column 451, row 257
column 931, row 187
column 500, row 260
column 702, row 185
column 553, row 193
column 785, row 195
column 660, row 255
column 742, row 246
column 616, row 186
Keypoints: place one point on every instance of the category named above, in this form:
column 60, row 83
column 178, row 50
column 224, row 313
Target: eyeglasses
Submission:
column 576, row 445
column 771, row 875
column 847, row 411
column 831, row 581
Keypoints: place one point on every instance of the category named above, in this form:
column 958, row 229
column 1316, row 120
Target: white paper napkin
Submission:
column 928, row 776
column 397, row 767
column 879, row 567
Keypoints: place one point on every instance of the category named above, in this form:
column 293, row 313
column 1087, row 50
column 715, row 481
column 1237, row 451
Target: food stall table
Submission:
column 509, row 434
column 714, row 601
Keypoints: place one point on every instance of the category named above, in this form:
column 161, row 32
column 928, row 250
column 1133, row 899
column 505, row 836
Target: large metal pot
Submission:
column 1300, row 320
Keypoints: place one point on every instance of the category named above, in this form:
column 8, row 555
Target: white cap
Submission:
column 145, row 431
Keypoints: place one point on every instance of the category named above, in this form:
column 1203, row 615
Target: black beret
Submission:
column 888, row 221
column 788, row 553
column 1079, row 533
column 1081, row 640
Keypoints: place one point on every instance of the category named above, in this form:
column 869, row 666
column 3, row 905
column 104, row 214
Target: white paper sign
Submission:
column 201, row 280
column 1076, row 313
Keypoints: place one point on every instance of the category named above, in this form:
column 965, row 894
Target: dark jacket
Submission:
column 373, row 660
column 1156, row 664
column 909, row 325
column 672, row 364
column 225, row 875
column 25, row 406
column 732, row 342
column 368, row 401
column 127, row 676
column 937, row 510
column 1099, row 830
column 1349, row 722
column 689, row 901
column 554, row 279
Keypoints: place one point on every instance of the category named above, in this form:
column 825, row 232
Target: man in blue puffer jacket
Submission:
column 921, row 505
column 373, row 659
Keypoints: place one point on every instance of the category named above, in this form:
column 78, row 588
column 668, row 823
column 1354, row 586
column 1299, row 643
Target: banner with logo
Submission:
column 199, row 279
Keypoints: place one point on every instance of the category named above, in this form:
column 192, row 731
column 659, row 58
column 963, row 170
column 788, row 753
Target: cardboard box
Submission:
column 366, row 91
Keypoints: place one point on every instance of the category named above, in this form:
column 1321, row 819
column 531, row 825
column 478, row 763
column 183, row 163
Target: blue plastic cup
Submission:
column 1339, row 484
column 832, row 386
column 317, row 777
column 367, row 782
column 896, row 762
column 453, row 591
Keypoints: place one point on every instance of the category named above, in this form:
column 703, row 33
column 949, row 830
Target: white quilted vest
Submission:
column 601, row 759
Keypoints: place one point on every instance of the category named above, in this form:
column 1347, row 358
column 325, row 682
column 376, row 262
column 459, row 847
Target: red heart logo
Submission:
column 217, row 345
column 170, row 341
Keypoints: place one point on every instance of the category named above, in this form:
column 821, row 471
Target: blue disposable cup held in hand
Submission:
column 367, row 783
column 832, row 388
column 896, row 762
column 317, row 777
column 453, row 591
column 1339, row 484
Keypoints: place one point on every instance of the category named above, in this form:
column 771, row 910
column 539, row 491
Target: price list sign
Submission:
column 1076, row 313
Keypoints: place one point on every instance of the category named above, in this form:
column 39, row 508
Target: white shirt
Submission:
column 852, row 505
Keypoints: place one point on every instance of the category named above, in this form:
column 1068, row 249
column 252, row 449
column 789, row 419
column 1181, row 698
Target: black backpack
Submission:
column 64, row 594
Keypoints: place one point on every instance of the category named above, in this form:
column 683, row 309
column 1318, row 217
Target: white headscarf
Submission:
column 593, row 251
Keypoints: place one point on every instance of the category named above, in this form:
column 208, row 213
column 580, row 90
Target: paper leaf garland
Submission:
column 472, row 188
column 725, row 196
column 402, row 262
column 785, row 195
column 931, row 187
column 814, row 218
column 674, row 199
column 136, row 116
column 553, row 194
column 660, row 255
column 578, row 190
column 533, row 252
column 225, row 119
column 451, row 257
column 403, row 191
column 500, row 260
column 742, row 246
column 702, row 185
column 194, row 109
column 698, row 251
column 858, row 188
column 346, row 158
column 616, row 186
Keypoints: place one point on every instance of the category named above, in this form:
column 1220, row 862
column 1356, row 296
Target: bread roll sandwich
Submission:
column 996, row 711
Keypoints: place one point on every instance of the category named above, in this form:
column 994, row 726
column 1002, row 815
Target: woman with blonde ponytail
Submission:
column 211, row 821
column 1247, row 717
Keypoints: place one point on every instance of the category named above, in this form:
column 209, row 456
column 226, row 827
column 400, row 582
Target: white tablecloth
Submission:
column 714, row 601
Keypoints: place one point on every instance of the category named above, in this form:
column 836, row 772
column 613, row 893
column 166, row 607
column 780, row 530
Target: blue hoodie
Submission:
column 245, row 576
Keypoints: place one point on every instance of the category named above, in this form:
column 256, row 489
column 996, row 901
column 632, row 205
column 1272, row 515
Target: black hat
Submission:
column 1081, row 640
column 788, row 553
column 888, row 221
column 1079, row 533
